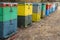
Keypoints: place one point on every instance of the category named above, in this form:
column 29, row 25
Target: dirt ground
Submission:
column 47, row 29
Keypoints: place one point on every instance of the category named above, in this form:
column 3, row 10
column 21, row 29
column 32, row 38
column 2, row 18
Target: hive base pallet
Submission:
column 28, row 25
column 12, row 36
column 24, row 21
column 42, row 16
column 25, row 26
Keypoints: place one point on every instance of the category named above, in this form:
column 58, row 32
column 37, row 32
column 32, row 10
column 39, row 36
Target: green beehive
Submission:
column 43, row 10
column 13, row 10
column 7, row 12
column 4, row 11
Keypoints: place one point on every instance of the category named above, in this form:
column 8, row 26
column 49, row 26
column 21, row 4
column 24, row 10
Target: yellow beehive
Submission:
column 30, row 8
column 36, row 17
column 23, row 9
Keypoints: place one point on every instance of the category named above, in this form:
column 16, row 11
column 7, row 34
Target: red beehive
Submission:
column 48, row 6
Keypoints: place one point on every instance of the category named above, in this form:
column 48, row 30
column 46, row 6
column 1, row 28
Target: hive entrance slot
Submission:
column 7, row 5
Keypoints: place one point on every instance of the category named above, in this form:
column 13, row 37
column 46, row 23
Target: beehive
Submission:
column 13, row 11
column 30, row 6
column 48, row 9
column 23, row 9
column 54, row 7
column 51, row 9
column 36, row 16
column 24, row 14
column 8, row 26
column 4, row 12
column 27, row 1
column 8, row 12
column 43, row 9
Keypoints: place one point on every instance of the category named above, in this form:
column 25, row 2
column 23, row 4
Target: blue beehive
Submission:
column 13, row 25
column 51, row 10
column 8, row 28
column 47, row 12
